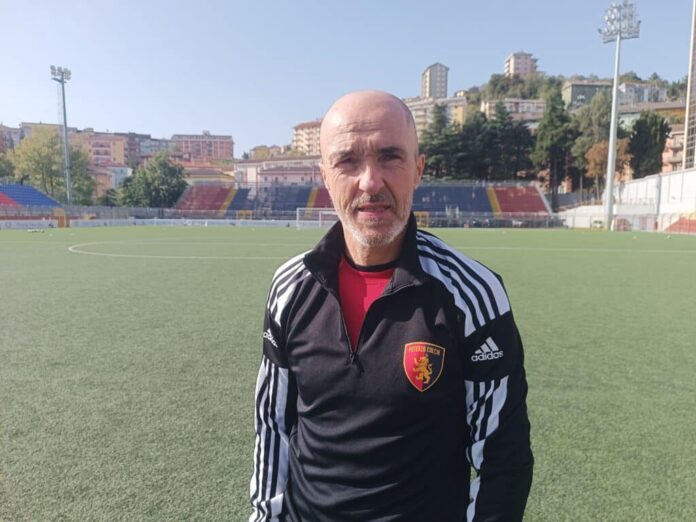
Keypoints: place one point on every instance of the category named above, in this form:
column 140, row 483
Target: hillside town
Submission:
column 519, row 94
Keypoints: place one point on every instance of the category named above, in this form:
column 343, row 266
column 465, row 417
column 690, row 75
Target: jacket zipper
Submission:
column 353, row 350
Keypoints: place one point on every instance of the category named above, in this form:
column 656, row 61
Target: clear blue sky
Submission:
column 254, row 69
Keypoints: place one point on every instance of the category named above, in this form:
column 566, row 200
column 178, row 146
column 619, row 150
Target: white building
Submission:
column 635, row 92
column 519, row 109
column 422, row 110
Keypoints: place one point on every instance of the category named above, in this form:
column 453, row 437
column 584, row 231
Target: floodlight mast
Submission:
column 620, row 23
column 62, row 75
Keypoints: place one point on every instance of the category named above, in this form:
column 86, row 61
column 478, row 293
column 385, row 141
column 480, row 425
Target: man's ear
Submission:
column 420, row 168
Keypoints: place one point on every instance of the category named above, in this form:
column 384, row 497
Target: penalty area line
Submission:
column 75, row 249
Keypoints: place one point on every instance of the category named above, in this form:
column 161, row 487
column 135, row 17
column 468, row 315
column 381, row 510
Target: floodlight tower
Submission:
column 620, row 23
column 62, row 75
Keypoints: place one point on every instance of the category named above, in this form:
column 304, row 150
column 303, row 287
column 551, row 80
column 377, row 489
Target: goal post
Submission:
column 310, row 217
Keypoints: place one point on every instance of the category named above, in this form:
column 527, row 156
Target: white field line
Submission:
column 78, row 249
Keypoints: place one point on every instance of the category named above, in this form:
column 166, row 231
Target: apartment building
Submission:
column 434, row 81
column 519, row 109
column 9, row 138
column 102, row 148
column 422, row 110
column 204, row 147
column 673, row 155
column 305, row 138
column 520, row 64
column 576, row 93
column 640, row 92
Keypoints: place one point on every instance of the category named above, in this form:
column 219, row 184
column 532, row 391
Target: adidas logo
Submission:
column 268, row 335
column 488, row 351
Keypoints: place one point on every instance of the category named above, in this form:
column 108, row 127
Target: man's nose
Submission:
column 371, row 181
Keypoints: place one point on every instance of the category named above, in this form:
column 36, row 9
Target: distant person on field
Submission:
column 391, row 362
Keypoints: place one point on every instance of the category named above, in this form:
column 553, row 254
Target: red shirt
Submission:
column 358, row 287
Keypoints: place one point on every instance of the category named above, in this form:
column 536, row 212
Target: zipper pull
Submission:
column 354, row 359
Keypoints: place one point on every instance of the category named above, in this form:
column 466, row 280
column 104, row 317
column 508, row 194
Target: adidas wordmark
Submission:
column 488, row 351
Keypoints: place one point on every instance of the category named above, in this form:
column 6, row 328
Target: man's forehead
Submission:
column 369, row 130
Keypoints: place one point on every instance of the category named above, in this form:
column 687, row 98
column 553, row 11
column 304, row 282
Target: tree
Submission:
column 159, row 184
column 555, row 136
column 647, row 142
column 6, row 168
column 474, row 147
column 438, row 144
column 592, row 124
column 108, row 199
column 597, row 157
column 38, row 161
column 677, row 90
column 511, row 144
column 629, row 76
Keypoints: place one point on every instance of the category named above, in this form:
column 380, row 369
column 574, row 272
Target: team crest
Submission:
column 423, row 363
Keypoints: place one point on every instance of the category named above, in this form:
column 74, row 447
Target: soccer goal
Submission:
column 315, row 217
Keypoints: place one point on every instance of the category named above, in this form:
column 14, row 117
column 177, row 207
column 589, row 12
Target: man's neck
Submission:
column 373, row 255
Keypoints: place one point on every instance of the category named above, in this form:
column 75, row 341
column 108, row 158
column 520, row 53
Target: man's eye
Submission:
column 390, row 157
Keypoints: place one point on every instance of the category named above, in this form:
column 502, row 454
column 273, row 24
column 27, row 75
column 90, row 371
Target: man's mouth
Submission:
column 373, row 208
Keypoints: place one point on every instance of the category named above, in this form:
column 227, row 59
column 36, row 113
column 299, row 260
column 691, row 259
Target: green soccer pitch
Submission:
column 128, row 358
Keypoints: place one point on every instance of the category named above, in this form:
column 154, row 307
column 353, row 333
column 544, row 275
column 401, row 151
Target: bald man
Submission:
column 391, row 362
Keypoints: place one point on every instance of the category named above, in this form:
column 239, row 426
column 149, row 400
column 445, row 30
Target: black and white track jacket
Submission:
column 437, row 386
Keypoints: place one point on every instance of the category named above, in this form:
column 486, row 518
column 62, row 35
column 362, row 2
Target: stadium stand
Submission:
column 6, row 201
column 24, row 195
column 517, row 200
column 208, row 197
column 240, row 201
column 438, row 198
column 288, row 198
column 684, row 225
column 319, row 198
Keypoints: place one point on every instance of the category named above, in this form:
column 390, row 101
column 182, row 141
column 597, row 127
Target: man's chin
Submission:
column 376, row 234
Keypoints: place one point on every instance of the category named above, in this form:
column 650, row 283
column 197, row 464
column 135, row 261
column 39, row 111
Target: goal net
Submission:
column 315, row 217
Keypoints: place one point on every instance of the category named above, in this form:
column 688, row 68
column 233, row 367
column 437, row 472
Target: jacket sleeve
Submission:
column 275, row 415
column 499, row 433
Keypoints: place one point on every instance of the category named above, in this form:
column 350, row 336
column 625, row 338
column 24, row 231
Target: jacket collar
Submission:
column 322, row 261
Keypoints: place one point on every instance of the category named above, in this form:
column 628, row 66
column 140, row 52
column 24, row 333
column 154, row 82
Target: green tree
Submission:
column 647, row 142
column 474, row 148
column 109, row 198
column 438, row 144
column 554, row 140
column 6, row 168
column 677, row 90
column 38, row 161
column 505, row 148
column 159, row 184
column 629, row 76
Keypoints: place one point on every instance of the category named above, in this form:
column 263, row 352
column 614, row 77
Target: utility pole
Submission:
column 62, row 75
column 620, row 23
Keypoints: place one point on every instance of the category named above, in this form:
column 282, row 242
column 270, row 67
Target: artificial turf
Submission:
column 127, row 374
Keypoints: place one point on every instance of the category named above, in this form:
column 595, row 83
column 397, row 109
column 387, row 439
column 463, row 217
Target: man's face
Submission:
column 370, row 167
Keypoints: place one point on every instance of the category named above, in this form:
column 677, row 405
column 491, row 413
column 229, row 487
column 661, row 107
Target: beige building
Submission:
column 305, row 138
column 520, row 64
column 434, row 81
column 519, row 109
column 673, row 155
column 103, row 148
column 261, row 152
column 422, row 110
